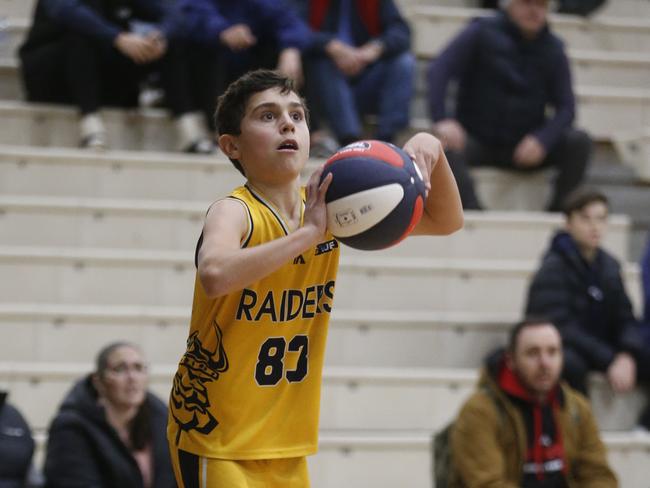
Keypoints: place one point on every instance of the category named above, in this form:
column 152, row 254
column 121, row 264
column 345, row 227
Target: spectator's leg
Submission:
column 83, row 72
column 642, row 359
column 386, row 88
column 460, row 161
column 181, row 91
column 43, row 74
column 337, row 99
column 575, row 370
column 571, row 157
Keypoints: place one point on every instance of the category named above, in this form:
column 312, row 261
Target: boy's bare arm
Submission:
column 443, row 210
column 225, row 267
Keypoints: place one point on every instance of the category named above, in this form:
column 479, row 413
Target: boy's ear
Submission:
column 229, row 145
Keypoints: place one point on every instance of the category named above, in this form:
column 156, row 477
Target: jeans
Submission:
column 384, row 88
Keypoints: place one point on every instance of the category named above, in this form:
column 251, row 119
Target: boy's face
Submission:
column 274, row 142
column 587, row 226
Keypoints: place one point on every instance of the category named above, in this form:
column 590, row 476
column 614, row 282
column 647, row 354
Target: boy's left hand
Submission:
column 425, row 150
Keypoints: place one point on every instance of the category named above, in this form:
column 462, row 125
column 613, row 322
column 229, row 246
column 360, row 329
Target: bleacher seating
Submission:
column 99, row 246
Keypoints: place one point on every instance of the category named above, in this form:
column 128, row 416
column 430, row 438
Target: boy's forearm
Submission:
column 227, row 273
column 443, row 210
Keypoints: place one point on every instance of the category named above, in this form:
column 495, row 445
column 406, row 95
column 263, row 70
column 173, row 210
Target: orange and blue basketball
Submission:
column 376, row 197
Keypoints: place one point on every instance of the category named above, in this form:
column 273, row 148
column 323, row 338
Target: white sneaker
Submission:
column 92, row 132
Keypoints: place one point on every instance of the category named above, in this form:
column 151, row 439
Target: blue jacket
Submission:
column 269, row 20
column 586, row 301
column 505, row 83
column 98, row 19
column 391, row 29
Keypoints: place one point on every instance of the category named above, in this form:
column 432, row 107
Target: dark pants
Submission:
column 83, row 72
column 384, row 88
column 570, row 156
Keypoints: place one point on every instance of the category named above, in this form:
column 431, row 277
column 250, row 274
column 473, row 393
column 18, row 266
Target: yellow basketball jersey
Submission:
column 248, row 385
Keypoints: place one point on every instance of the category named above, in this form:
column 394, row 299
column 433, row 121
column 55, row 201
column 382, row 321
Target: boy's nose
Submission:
column 287, row 124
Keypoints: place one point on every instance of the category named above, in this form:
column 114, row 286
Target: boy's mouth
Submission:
column 288, row 145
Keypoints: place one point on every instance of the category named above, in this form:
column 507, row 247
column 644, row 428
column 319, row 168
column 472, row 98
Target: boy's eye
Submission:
column 297, row 116
column 268, row 116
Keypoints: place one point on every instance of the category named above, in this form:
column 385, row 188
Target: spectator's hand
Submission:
column 315, row 208
column 425, row 150
column 238, row 37
column 290, row 64
column 158, row 43
column 529, row 152
column 451, row 134
column 140, row 50
column 621, row 374
column 370, row 52
column 346, row 58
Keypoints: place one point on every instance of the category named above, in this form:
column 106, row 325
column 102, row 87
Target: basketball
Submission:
column 376, row 197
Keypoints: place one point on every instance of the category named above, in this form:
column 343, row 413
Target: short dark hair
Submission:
column 231, row 106
column 529, row 321
column 580, row 198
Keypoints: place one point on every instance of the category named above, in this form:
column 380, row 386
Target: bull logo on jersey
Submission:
column 189, row 397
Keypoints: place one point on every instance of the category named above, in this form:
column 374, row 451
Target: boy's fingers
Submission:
column 322, row 189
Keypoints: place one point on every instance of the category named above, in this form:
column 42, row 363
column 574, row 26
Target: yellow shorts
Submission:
column 194, row 471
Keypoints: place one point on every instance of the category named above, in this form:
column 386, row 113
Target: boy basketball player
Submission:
column 245, row 400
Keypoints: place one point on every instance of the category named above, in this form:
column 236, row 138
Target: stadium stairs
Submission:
column 96, row 247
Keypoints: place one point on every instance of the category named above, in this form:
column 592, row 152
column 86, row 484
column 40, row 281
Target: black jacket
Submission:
column 102, row 20
column 587, row 302
column 505, row 83
column 16, row 446
column 83, row 450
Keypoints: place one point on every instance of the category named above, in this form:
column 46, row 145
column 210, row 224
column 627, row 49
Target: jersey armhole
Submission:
column 245, row 239
column 249, row 232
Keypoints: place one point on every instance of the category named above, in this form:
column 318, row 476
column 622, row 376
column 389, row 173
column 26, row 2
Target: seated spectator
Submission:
column 358, row 62
column 16, row 446
column 645, row 276
column 109, row 432
column 578, row 7
column 227, row 38
column 579, row 286
column 510, row 69
column 94, row 53
column 525, row 428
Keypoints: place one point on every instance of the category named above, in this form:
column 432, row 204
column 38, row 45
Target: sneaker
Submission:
column 323, row 147
column 92, row 132
column 201, row 146
column 96, row 142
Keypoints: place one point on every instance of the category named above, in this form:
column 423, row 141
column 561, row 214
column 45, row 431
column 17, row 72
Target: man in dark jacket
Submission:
column 579, row 286
column 16, row 446
column 523, row 428
column 510, row 69
column 358, row 62
column 227, row 38
column 93, row 53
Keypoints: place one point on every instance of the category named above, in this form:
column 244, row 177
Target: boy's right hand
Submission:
column 315, row 209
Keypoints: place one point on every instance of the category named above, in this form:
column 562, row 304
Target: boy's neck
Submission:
column 588, row 253
column 286, row 198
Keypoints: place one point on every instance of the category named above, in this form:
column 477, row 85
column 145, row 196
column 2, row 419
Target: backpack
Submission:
column 443, row 473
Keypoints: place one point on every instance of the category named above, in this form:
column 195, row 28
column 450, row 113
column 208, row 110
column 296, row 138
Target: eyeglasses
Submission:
column 122, row 369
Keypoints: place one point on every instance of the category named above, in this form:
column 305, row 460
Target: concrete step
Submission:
column 634, row 147
column 433, row 27
column 176, row 225
column 384, row 459
column 10, row 84
column 360, row 458
column 148, row 277
column 352, row 398
column 69, row 172
column 51, row 332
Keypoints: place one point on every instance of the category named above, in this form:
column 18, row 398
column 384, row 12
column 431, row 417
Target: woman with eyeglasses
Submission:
column 109, row 431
